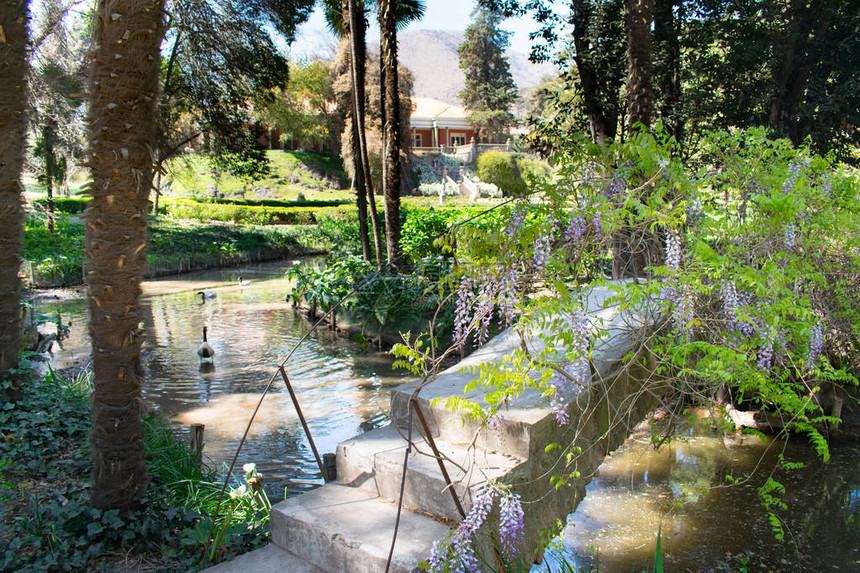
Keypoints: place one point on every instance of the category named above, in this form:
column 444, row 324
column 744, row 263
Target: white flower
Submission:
column 248, row 468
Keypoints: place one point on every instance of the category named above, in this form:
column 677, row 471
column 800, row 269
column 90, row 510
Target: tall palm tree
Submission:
column 123, row 92
column 343, row 21
column 390, row 127
column 13, row 122
column 356, row 28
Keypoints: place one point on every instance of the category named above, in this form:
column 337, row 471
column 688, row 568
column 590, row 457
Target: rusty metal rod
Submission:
column 429, row 438
column 304, row 423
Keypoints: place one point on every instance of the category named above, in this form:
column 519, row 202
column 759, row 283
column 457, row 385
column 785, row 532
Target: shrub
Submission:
column 500, row 169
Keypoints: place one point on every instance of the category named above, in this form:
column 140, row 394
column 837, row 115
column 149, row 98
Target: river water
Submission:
column 343, row 389
column 707, row 524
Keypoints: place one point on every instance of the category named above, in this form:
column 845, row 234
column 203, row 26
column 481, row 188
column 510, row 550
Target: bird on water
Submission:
column 207, row 294
column 205, row 351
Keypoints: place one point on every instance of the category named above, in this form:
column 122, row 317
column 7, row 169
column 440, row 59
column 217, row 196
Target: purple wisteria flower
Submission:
column 463, row 310
column 508, row 295
column 793, row 174
column 575, row 231
column 484, row 311
column 580, row 324
column 673, row 250
column 816, row 344
column 695, row 214
column 543, row 250
column 479, row 512
column 511, row 526
column 516, row 221
column 597, row 222
column 765, row 354
column 790, row 235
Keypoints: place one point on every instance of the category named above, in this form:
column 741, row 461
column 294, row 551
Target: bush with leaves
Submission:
column 750, row 255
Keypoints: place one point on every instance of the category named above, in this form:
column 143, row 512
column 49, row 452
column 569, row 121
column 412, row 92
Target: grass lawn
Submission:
column 315, row 175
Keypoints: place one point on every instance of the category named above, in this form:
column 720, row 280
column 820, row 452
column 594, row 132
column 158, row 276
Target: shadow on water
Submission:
column 342, row 388
column 708, row 525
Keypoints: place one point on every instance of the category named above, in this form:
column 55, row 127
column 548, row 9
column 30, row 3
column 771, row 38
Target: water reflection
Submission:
column 708, row 526
column 342, row 388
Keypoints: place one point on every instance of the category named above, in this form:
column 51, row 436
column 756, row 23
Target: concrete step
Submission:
column 268, row 559
column 374, row 462
column 527, row 419
column 348, row 530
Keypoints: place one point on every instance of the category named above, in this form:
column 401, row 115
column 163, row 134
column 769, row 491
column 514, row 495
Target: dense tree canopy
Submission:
column 789, row 66
column 490, row 90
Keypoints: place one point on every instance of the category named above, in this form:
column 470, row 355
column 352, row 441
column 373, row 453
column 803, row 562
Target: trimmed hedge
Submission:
column 73, row 205
column 252, row 215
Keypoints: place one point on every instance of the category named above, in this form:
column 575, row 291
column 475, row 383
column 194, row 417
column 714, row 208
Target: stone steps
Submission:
column 343, row 529
column 347, row 527
column 384, row 451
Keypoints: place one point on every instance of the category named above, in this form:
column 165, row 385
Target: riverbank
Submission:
column 57, row 259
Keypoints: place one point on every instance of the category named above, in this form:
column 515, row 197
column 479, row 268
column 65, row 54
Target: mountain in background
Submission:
column 431, row 56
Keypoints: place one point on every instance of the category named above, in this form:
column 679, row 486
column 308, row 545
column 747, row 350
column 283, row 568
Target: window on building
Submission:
column 459, row 139
column 416, row 140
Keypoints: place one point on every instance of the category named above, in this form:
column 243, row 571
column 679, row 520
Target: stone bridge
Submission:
column 347, row 526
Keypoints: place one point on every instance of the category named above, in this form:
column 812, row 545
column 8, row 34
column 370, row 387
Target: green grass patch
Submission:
column 315, row 175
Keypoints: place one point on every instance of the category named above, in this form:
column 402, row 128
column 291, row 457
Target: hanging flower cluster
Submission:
column 458, row 554
column 476, row 301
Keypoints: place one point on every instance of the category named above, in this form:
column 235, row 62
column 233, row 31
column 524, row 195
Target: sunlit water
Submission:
column 682, row 491
column 343, row 389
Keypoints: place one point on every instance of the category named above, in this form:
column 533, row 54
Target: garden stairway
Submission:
column 347, row 526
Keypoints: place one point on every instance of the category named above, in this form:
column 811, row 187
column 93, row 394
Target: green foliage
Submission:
column 515, row 174
column 300, row 110
column 71, row 205
column 55, row 258
column 48, row 522
column 291, row 173
column 749, row 276
column 371, row 299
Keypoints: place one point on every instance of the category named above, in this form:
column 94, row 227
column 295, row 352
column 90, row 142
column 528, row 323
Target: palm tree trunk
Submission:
column 390, row 128
column 358, row 60
column 122, row 94
column 13, row 122
column 640, row 96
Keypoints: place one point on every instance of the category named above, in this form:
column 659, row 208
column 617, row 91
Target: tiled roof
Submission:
column 424, row 108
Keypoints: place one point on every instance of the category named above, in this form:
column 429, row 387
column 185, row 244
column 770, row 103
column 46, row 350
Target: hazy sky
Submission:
column 440, row 15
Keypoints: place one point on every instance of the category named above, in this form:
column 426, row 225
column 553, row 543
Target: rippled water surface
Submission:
column 342, row 388
column 682, row 491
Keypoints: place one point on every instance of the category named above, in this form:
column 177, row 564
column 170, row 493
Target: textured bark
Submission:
column 390, row 128
column 668, row 78
column 360, row 183
column 358, row 62
column 49, row 136
column 123, row 92
column 640, row 96
column 602, row 120
column 13, row 121
column 807, row 21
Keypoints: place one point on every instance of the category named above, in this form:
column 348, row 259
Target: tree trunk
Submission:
column 640, row 96
column 668, row 75
column 390, row 129
column 123, row 92
column 13, row 122
column 602, row 120
column 358, row 179
column 49, row 135
column 807, row 21
column 358, row 61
